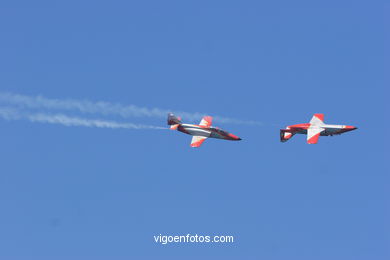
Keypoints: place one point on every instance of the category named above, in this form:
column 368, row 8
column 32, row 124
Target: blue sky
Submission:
column 89, row 193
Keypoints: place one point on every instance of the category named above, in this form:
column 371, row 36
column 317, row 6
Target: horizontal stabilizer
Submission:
column 285, row 135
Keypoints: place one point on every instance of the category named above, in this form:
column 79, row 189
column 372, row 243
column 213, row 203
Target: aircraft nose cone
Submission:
column 234, row 137
column 350, row 128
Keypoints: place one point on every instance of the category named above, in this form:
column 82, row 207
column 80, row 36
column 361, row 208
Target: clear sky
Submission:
column 91, row 193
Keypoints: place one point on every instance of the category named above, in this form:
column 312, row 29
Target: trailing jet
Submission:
column 200, row 132
column 314, row 129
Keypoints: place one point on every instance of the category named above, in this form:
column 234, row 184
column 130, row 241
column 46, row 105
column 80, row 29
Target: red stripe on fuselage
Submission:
column 298, row 128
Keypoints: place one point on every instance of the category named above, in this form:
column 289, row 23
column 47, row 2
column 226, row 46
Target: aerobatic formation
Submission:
column 314, row 129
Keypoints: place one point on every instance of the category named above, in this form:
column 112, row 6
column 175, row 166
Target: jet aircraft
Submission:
column 200, row 132
column 314, row 129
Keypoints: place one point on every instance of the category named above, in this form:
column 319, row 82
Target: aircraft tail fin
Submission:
column 285, row 135
column 173, row 120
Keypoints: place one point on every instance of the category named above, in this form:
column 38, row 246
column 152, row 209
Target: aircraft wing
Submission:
column 197, row 141
column 317, row 119
column 313, row 133
column 206, row 121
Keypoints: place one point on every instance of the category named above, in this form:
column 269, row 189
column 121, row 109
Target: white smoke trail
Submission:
column 104, row 108
column 12, row 114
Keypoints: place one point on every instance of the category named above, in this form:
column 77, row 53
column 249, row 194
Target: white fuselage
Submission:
column 195, row 130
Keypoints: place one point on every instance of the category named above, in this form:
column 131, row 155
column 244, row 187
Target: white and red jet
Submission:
column 200, row 132
column 314, row 129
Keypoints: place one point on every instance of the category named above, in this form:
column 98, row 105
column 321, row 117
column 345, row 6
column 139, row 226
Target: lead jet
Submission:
column 314, row 129
column 200, row 132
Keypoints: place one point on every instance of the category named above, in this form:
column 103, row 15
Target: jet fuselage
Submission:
column 329, row 129
column 314, row 129
column 210, row 132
